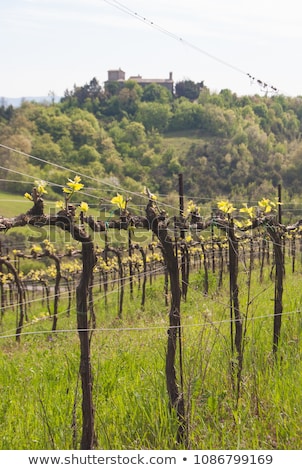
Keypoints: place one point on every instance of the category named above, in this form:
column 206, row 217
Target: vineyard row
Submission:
column 177, row 238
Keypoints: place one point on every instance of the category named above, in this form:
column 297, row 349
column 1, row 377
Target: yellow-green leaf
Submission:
column 73, row 186
column 59, row 204
column 192, row 207
column 28, row 196
column 226, row 207
column 250, row 211
column 67, row 190
column 84, row 206
column 119, row 201
column 40, row 186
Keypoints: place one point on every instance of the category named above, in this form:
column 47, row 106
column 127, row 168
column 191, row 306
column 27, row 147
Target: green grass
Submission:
column 40, row 405
column 15, row 204
column 11, row 204
column 182, row 141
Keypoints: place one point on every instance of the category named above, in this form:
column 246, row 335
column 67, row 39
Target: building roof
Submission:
column 151, row 80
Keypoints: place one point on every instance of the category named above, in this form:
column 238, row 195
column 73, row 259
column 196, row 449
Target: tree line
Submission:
column 133, row 136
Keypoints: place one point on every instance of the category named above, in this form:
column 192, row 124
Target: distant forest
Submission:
column 223, row 144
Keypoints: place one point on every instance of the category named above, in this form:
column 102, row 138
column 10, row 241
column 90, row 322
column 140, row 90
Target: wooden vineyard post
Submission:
column 105, row 275
column 21, row 301
column 1, row 289
column 205, row 267
column 276, row 238
column 88, row 260
column 142, row 252
column 184, row 250
column 121, row 279
column 57, row 288
column 158, row 224
column 130, row 252
column 275, row 233
column 235, row 315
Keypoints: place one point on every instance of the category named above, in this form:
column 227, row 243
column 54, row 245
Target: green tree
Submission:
column 186, row 115
column 156, row 93
column 292, row 173
column 292, row 125
column 124, row 101
column 85, row 128
column 80, row 94
column 82, row 133
column 45, row 148
column 66, row 146
column 218, row 121
column 112, row 89
column 6, row 112
column 87, row 154
column 154, row 115
column 188, row 89
column 134, row 133
column 15, row 162
column 229, row 99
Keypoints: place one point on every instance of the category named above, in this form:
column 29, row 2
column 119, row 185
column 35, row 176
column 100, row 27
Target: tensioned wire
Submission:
column 120, row 6
column 66, row 293
column 150, row 328
column 102, row 295
column 160, row 269
column 165, row 31
column 96, row 298
column 113, row 291
column 64, row 168
column 111, row 186
column 78, row 173
column 50, row 183
column 92, row 188
column 58, row 185
column 55, row 184
column 268, row 241
column 295, row 206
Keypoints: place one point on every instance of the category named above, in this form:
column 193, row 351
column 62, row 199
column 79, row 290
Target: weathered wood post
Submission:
column 159, row 225
column 88, row 261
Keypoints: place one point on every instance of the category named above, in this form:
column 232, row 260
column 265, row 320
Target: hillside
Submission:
column 199, row 327
column 127, row 138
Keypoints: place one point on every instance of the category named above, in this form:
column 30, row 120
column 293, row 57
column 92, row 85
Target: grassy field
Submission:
column 182, row 141
column 40, row 405
column 12, row 205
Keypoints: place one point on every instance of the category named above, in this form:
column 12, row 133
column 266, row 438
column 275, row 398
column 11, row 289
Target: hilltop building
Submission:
column 116, row 75
column 119, row 76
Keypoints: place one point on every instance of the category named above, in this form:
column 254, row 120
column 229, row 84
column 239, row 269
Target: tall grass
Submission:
column 41, row 396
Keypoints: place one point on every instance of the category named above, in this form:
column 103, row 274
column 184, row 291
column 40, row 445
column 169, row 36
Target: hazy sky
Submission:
column 50, row 45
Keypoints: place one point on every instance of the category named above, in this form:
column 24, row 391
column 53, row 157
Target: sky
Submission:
column 48, row 46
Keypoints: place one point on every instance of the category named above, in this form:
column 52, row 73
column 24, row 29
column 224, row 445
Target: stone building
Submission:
column 116, row 75
column 119, row 76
